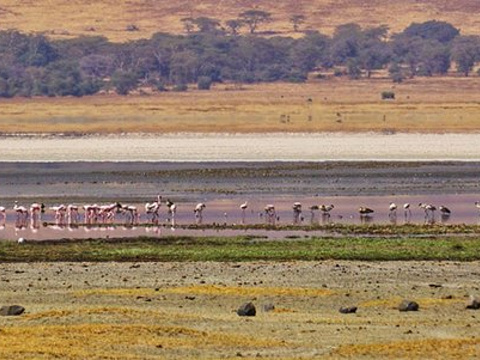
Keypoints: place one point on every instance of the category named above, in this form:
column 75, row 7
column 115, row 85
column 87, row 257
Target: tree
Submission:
column 466, row 52
column 124, row 82
column 296, row 21
column 206, row 24
column 234, row 26
column 433, row 30
column 253, row 18
column 188, row 24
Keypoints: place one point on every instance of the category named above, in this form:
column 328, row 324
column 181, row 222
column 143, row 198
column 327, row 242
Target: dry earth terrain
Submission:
column 448, row 104
column 110, row 18
column 187, row 310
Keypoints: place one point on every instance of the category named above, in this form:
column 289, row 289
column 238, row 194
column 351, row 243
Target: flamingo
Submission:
column 59, row 211
column 429, row 211
column 392, row 212
column 37, row 209
column 406, row 210
column 91, row 213
column 325, row 209
column 154, row 207
column 72, row 213
column 313, row 208
column 21, row 211
column 172, row 210
column 477, row 205
column 365, row 211
column 270, row 214
column 297, row 212
column 244, row 207
column 132, row 211
column 3, row 213
column 198, row 210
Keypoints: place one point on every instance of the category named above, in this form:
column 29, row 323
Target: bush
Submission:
column 386, row 95
column 204, row 83
column 180, row 87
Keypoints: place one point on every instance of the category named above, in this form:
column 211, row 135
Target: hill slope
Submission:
column 70, row 18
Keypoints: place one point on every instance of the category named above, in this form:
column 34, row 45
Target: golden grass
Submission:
column 447, row 104
column 210, row 290
column 62, row 18
column 416, row 349
column 114, row 341
column 422, row 302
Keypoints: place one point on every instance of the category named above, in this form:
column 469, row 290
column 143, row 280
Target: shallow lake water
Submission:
column 226, row 211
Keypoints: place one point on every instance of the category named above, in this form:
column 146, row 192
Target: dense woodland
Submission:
column 211, row 52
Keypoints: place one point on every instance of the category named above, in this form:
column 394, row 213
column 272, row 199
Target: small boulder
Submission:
column 247, row 309
column 407, row 305
column 348, row 309
column 11, row 310
column 473, row 303
column 268, row 307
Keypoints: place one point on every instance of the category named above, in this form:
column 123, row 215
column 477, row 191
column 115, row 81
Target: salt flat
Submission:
column 243, row 147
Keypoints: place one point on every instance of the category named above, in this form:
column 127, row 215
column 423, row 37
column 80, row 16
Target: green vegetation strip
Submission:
column 458, row 248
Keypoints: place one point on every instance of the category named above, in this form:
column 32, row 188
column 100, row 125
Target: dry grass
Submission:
column 62, row 18
column 418, row 349
column 447, row 104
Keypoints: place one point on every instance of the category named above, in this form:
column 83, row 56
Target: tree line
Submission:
column 209, row 52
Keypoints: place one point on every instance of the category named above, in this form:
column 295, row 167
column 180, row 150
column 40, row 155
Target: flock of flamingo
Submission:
column 109, row 213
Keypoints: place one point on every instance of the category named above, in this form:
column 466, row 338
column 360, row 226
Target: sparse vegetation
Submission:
column 458, row 248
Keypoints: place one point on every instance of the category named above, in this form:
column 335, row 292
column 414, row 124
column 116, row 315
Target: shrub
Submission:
column 180, row 87
column 386, row 95
column 204, row 83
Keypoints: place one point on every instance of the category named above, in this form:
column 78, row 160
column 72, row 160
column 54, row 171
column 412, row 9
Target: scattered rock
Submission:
column 407, row 305
column 132, row 27
column 247, row 309
column 268, row 307
column 473, row 303
column 348, row 309
column 12, row 310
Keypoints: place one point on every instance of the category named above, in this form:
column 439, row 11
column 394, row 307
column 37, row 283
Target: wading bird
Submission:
column 153, row 208
column 297, row 213
column 198, row 211
column 244, row 207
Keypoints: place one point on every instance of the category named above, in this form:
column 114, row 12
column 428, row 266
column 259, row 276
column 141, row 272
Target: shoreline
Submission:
column 240, row 147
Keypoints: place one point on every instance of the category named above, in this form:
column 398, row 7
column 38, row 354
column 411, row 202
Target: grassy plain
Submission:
column 453, row 247
column 448, row 104
column 110, row 18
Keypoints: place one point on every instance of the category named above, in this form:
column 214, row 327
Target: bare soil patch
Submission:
column 187, row 310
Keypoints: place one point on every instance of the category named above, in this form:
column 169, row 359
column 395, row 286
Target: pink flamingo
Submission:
column 91, row 213
column 131, row 211
column 154, row 207
column 3, row 213
column 21, row 211
column 60, row 212
column 72, row 214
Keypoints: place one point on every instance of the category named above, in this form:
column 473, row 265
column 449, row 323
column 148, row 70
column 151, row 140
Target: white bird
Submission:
column 477, row 205
column 392, row 207
column 21, row 240
column 325, row 209
column 198, row 210
column 244, row 207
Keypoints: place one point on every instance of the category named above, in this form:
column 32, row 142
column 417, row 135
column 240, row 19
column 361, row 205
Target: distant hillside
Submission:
column 127, row 20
